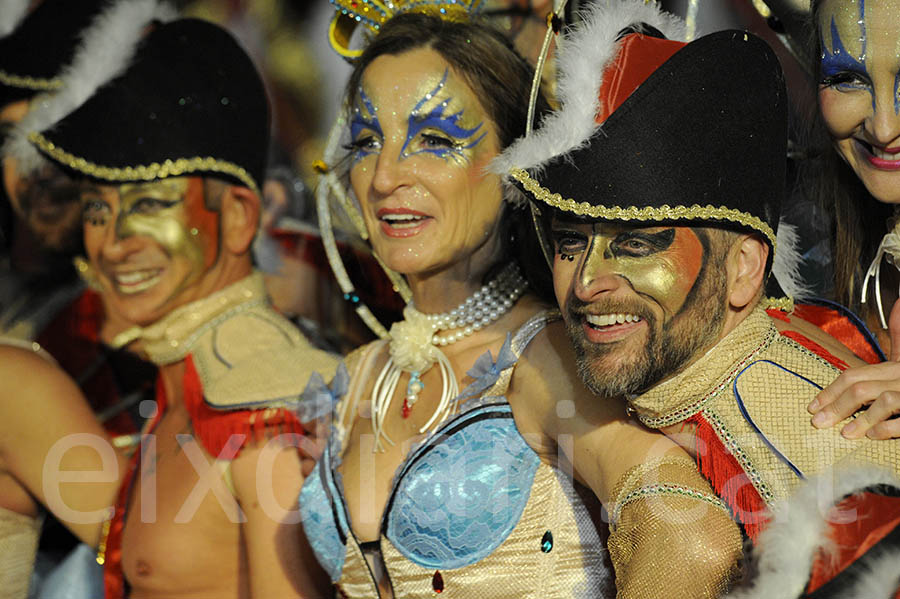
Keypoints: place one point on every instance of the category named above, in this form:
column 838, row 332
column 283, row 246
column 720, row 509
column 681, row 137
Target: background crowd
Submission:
column 214, row 360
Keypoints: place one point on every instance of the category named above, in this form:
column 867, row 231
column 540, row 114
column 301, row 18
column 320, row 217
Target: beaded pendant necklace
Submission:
column 415, row 347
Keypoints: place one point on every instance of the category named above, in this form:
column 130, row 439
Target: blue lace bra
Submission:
column 474, row 493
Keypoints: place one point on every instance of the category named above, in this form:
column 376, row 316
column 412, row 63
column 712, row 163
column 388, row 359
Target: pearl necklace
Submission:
column 415, row 347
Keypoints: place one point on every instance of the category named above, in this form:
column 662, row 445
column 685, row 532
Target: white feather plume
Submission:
column 107, row 48
column 584, row 53
column 881, row 579
column 12, row 12
column 786, row 549
column 787, row 261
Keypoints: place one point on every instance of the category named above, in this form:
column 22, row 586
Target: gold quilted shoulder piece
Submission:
column 257, row 358
column 753, row 388
column 764, row 422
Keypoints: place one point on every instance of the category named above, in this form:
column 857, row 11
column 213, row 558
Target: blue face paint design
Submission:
column 897, row 93
column 838, row 59
column 359, row 122
column 839, row 66
column 460, row 138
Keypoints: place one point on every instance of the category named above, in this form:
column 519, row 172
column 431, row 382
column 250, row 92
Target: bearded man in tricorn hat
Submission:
column 657, row 189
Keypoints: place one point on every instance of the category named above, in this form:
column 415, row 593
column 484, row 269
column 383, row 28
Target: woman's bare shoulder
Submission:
column 812, row 332
column 13, row 350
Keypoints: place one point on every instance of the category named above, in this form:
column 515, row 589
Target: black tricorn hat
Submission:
column 686, row 133
column 190, row 103
column 45, row 40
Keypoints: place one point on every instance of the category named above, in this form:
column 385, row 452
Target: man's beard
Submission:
column 609, row 371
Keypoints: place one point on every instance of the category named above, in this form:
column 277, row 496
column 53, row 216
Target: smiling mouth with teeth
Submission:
column 605, row 320
column 136, row 281
column 882, row 158
column 403, row 221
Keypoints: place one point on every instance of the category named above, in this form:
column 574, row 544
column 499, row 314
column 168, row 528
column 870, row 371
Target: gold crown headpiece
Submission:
column 372, row 14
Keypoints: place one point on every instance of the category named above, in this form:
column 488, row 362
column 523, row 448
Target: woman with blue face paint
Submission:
column 858, row 62
column 445, row 471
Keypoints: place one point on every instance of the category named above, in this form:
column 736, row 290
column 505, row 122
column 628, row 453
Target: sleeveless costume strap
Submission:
column 109, row 550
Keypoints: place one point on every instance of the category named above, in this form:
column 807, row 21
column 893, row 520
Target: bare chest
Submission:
column 182, row 533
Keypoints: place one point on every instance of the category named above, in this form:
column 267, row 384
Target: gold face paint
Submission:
column 639, row 303
column 420, row 145
column 660, row 263
column 151, row 242
column 157, row 211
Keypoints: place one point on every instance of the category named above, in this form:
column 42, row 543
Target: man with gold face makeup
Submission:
column 44, row 307
column 659, row 209
column 169, row 152
column 41, row 298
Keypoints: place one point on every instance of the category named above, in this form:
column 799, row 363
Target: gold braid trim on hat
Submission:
column 150, row 172
column 372, row 14
column 26, row 82
column 646, row 213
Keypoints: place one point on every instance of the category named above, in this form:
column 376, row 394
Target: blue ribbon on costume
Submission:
column 486, row 371
column 319, row 399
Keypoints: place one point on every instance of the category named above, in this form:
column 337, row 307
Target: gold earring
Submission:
column 87, row 273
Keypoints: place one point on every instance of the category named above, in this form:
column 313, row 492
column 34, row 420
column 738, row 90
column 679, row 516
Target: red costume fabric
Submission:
column 877, row 516
column 73, row 339
column 214, row 428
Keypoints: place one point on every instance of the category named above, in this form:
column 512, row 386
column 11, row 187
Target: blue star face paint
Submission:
column 421, row 145
column 859, row 89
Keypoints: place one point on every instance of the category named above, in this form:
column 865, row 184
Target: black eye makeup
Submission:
column 637, row 244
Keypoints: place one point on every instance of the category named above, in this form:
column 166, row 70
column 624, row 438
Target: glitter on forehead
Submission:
column 837, row 58
column 845, row 25
column 435, row 118
column 858, row 36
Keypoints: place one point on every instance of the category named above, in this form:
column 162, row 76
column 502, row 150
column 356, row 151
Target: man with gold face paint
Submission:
column 41, row 298
column 44, row 307
column 659, row 209
column 169, row 156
